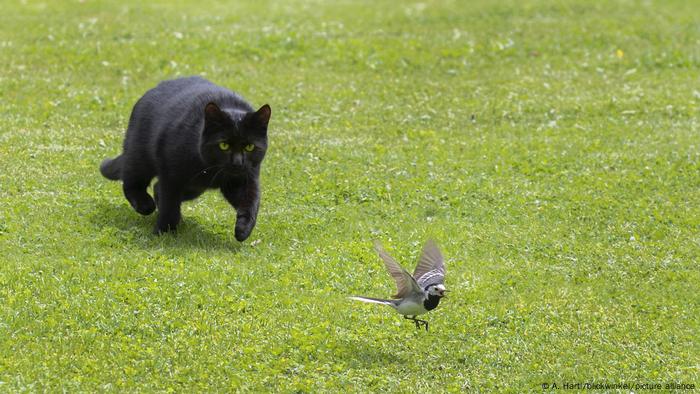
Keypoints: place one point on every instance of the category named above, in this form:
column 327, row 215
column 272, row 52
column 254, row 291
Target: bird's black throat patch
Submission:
column 431, row 303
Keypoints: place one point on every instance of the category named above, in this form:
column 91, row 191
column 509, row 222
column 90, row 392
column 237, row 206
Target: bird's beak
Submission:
column 443, row 292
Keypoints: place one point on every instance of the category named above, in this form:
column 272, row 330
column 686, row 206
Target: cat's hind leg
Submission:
column 136, row 175
column 135, row 193
column 169, row 198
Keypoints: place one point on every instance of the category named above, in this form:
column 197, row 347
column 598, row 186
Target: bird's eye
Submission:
column 249, row 147
column 224, row 146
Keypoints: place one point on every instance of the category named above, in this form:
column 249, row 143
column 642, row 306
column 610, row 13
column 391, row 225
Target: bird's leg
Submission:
column 418, row 322
column 414, row 320
column 425, row 323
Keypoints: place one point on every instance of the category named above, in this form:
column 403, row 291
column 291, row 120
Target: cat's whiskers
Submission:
column 204, row 171
column 211, row 182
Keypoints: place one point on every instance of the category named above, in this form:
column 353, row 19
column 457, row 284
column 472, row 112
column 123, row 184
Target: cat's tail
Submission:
column 112, row 168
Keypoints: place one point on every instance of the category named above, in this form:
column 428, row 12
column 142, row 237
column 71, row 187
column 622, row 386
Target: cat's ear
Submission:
column 213, row 114
column 262, row 116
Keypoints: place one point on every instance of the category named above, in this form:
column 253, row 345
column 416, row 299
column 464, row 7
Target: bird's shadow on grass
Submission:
column 366, row 355
column 128, row 226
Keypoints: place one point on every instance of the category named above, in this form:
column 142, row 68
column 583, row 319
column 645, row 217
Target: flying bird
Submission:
column 418, row 293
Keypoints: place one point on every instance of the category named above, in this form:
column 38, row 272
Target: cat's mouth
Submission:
column 232, row 171
column 223, row 173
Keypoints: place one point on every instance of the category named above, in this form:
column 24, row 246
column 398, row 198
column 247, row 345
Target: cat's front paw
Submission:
column 162, row 229
column 166, row 223
column 157, row 230
column 244, row 226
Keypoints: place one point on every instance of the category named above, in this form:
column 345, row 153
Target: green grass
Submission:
column 560, row 176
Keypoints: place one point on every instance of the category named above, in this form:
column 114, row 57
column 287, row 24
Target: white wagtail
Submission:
column 417, row 294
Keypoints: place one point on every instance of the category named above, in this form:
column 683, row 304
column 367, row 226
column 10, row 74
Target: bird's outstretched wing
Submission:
column 431, row 266
column 405, row 283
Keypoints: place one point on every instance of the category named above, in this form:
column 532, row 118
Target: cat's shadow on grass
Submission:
column 138, row 230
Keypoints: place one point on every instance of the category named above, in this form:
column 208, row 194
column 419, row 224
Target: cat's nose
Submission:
column 237, row 159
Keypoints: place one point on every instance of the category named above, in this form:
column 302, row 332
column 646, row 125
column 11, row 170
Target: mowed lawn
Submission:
column 552, row 148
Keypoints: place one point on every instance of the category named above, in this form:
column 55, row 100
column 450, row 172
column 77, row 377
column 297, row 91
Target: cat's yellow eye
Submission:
column 249, row 147
column 224, row 146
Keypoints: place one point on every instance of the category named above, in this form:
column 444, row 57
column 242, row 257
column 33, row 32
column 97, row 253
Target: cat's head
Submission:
column 234, row 141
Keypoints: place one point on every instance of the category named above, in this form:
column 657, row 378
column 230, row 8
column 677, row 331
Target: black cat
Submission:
column 193, row 135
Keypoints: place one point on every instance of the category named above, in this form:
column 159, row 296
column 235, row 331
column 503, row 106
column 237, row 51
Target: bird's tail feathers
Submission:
column 372, row 300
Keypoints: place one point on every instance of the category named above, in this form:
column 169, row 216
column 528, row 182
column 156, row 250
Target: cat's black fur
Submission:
column 174, row 133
